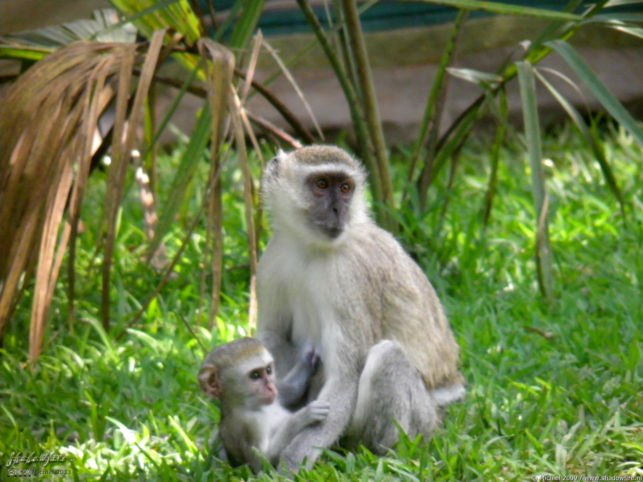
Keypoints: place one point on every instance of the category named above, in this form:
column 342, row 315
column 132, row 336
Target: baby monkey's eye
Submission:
column 321, row 183
column 255, row 375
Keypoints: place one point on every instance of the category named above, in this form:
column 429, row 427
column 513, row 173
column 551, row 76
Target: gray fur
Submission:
column 342, row 296
column 251, row 428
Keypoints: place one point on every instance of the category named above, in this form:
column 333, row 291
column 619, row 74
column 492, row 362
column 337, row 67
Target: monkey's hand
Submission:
column 313, row 360
column 293, row 386
column 316, row 411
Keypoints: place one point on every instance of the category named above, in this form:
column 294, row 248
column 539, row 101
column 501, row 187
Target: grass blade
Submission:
column 495, row 158
column 183, row 88
column 609, row 102
column 429, row 126
column 506, row 9
column 257, row 41
column 590, row 138
column 24, row 52
column 280, row 107
column 534, row 150
column 184, row 174
column 294, row 85
column 246, row 23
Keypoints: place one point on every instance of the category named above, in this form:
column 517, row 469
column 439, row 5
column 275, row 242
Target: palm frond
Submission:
column 106, row 26
column 48, row 122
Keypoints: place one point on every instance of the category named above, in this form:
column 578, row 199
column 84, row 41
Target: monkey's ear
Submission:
column 275, row 162
column 210, row 382
column 272, row 168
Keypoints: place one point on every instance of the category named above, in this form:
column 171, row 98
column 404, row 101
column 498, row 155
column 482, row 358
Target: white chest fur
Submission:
column 310, row 281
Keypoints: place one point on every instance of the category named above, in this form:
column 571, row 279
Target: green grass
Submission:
column 551, row 388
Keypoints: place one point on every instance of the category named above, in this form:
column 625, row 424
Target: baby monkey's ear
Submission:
column 210, row 382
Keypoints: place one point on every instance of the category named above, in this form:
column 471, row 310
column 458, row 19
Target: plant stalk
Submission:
column 371, row 109
column 351, row 98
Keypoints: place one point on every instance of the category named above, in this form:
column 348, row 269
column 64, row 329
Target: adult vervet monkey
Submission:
column 330, row 278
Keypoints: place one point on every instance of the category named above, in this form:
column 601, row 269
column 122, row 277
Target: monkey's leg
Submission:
column 390, row 389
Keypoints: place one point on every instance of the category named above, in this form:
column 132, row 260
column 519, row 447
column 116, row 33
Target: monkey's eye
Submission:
column 255, row 375
column 321, row 183
column 269, row 369
column 346, row 187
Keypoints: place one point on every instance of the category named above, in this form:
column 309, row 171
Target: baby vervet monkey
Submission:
column 241, row 375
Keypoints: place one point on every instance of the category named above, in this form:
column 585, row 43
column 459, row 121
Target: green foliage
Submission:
column 550, row 389
column 432, row 149
column 181, row 30
column 67, row 91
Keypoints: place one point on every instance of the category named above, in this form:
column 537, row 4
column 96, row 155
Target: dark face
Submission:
column 263, row 385
column 332, row 193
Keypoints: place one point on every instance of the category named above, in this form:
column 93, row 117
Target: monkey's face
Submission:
column 330, row 195
column 240, row 373
column 315, row 193
column 261, row 381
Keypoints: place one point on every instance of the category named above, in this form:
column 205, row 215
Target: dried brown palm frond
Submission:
column 47, row 126
column 218, row 73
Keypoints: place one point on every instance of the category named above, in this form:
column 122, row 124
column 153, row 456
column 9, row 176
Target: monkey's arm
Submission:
column 316, row 411
column 340, row 392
